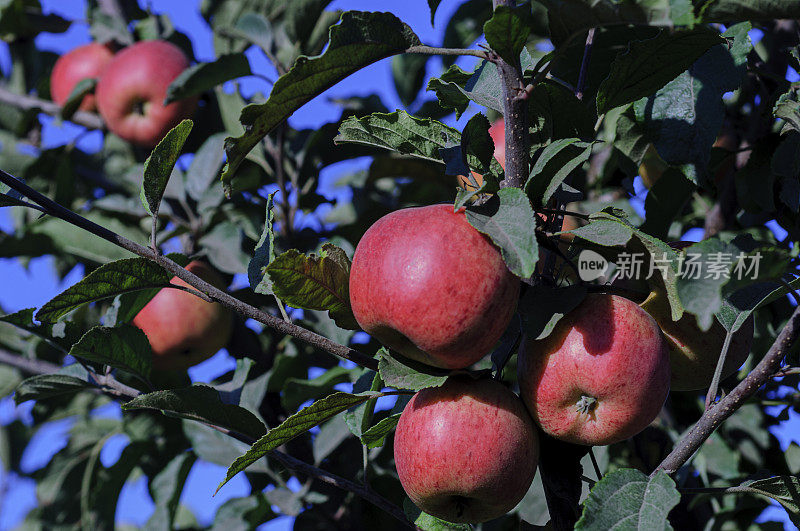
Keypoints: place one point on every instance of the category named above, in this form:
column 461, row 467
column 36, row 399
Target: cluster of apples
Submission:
column 429, row 286
column 131, row 87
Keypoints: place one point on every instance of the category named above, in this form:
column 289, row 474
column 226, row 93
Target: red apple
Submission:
column 694, row 353
column 427, row 284
column 466, row 451
column 498, row 133
column 600, row 377
column 182, row 328
column 131, row 92
column 87, row 61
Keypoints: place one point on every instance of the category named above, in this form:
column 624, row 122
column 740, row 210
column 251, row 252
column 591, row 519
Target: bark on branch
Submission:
column 20, row 101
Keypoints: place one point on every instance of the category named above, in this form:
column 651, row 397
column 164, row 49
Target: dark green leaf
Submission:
column 401, row 132
column 166, row 489
column 543, row 306
column 426, row 522
column 243, row 514
column 509, row 221
column 554, row 164
column 408, row 374
column 375, row 436
column 216, row 447
column 205, row 76
column 256, row 29
column 408, row 73
column 665, row 201
column 205, row 166
column 124, row 347
column 299, row 390
column 684, row 117
column 628, row 499
column 507, row 31
column 296, row 425
column 649, row 65
column 158, row 166
column 109, row 280
column 359, row 40
column 728, row 11
column 433, row 5
column 48, row 386
column 449, row 89
column 75, row 98
column 783, row 489
column 200, row 403
column 315, row 282
column 264, row 254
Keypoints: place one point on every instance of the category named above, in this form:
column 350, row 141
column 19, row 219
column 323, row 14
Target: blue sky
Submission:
column 35, row 285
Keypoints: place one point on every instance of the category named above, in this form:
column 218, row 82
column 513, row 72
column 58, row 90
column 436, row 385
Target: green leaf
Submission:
column 75, row 98
column 628, row 499
column 543, row 306
column 358, row 40
column 783, row 489
column 449, row 89
column 569, row 18
column 554, row 164
column 10, row 378
column 507, row 31
column 62, row 334
column 509, row 221
column 665, row 201
column 401, row 132
column 205, row 76
column 124, row 347
column 264, row 253
column 408, row 374
column 433, row 5
column 158, row 166
column 555, row 113
column 315, row 282
column 427, row 522
column 216, row 447
column 109, row 280
column 298, row 390
column 729, row 11
column 47, row 386
column 375, row 436
column 200, row 403
column 243, row 514
column 684, row 117
column 649, row 65
column 205, row 166
column 166, row 489
column 296, row 425
column 256, row 29
column 408, row 73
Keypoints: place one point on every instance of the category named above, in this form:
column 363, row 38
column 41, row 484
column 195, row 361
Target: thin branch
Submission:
column 321, row 342
column 712, row 418
column 86, row 119
column 713, row 389
column 119, row 391
column 587, row 55
column 432, row 50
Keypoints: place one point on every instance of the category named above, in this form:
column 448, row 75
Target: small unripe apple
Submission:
column 84, row 62
column 498, row 133
column 131, row 92
column 694, row 353
column 427, row 284
column 600, row 377
column 466, row 451
column 182, row 328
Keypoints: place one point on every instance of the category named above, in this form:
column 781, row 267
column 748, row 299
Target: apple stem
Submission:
column 586, row 404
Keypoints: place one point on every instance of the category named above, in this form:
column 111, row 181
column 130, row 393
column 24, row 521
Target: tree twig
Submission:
column 712, row 418
column 321, row 342
column 713, row 389
column 432, row 50
column 86, row 119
